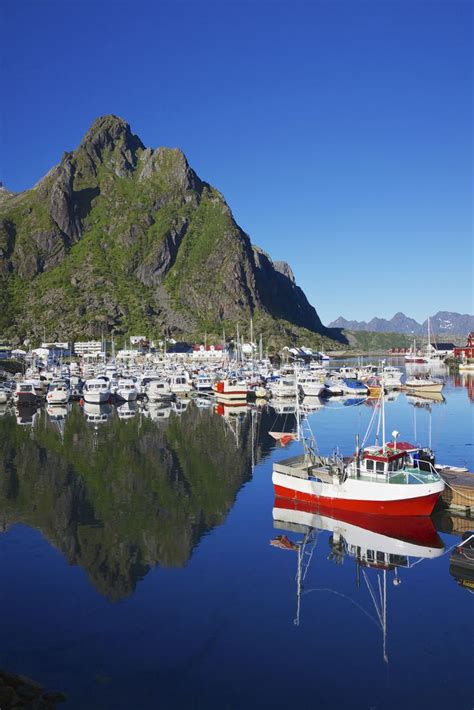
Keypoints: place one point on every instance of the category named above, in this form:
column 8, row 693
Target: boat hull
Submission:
column 96, row 397
column 433, row 388
column 229, row 395
column 57, row 397
column 360, row 496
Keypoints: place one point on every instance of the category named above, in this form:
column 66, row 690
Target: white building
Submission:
column 88, row 347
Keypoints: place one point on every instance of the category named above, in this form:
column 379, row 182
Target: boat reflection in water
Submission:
column 97, row 413
column 380, row 545
column 461, row 561
column 26, row 415
column 127, row 410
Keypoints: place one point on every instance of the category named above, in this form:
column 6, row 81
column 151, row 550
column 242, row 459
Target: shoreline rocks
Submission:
column 18, row 691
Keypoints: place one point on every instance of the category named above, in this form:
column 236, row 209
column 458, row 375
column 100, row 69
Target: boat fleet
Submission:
column 166, row 380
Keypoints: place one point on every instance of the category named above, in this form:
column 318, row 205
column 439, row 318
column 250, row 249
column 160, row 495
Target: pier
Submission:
column 459, row 491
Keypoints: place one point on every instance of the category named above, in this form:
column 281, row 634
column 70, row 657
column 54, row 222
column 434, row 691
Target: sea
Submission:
column 145, row 563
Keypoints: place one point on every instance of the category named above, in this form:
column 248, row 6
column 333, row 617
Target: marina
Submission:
column 133, row 520
column 236, row 356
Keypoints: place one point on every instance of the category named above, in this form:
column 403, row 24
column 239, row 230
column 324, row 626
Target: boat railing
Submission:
column 415, row 472
column 431, row 469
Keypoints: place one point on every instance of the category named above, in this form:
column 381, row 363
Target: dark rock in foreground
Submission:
column 18, row 691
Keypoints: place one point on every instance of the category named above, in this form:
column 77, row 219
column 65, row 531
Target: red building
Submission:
column 467, row 352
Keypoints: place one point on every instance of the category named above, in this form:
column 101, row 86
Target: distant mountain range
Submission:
column 443, row 323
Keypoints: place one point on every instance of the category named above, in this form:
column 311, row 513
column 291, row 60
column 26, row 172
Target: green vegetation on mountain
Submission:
column 119, row 238
column 366, row 341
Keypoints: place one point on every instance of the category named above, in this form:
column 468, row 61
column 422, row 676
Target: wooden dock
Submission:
column 459, row 491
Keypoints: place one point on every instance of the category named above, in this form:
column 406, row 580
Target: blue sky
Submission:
column 339, row 132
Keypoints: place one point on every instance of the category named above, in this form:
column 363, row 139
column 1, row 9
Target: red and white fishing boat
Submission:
column 230, row 389
column 396, row 478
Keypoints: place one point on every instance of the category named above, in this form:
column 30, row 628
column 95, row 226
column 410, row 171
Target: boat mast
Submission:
column 383, row 419
column 296, row 620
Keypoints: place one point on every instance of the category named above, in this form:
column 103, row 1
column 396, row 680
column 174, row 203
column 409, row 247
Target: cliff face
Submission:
column 120, row 237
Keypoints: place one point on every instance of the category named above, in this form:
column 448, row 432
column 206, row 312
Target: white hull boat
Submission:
column 284, row 387
column 424, row 384
column 228, row 390
column 96, row 391
column 159, row 391
column 126, row 390
column 25, row 394
column 181, row 384
column 311, row 386
column 394, row 479
column 58, row 393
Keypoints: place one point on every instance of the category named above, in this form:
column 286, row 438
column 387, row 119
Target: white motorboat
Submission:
column 334, row 384
column 4, row 395
column 158, row 391
column 286, row 386
column 25, row 393
column 180, row 383
column 353, row 387
column 230, row 389
column 391, row 377
column 127, row 390
column 202, row 383
column 310, row 385
column 96, row 391
column 423, row 384
column 58, row 392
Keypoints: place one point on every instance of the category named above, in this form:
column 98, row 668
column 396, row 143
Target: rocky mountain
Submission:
column 120, row 238
column 443, row 323
column 4, row 193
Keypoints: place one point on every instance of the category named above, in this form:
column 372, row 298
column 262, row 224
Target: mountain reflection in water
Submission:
column 117, row 495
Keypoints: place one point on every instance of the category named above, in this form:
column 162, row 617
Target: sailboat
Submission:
column 394, row 478
column 414, row 355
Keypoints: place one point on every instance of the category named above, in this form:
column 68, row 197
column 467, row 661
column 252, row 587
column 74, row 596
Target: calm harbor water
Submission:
column 137, row 569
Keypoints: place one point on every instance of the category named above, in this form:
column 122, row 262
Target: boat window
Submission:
column 370, row 465
column 379, row 466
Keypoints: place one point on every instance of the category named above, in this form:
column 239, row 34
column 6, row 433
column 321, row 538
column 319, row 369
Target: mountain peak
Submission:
column 155, row 249
column 443, row 322
column 108, row 124
column 112, row 134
